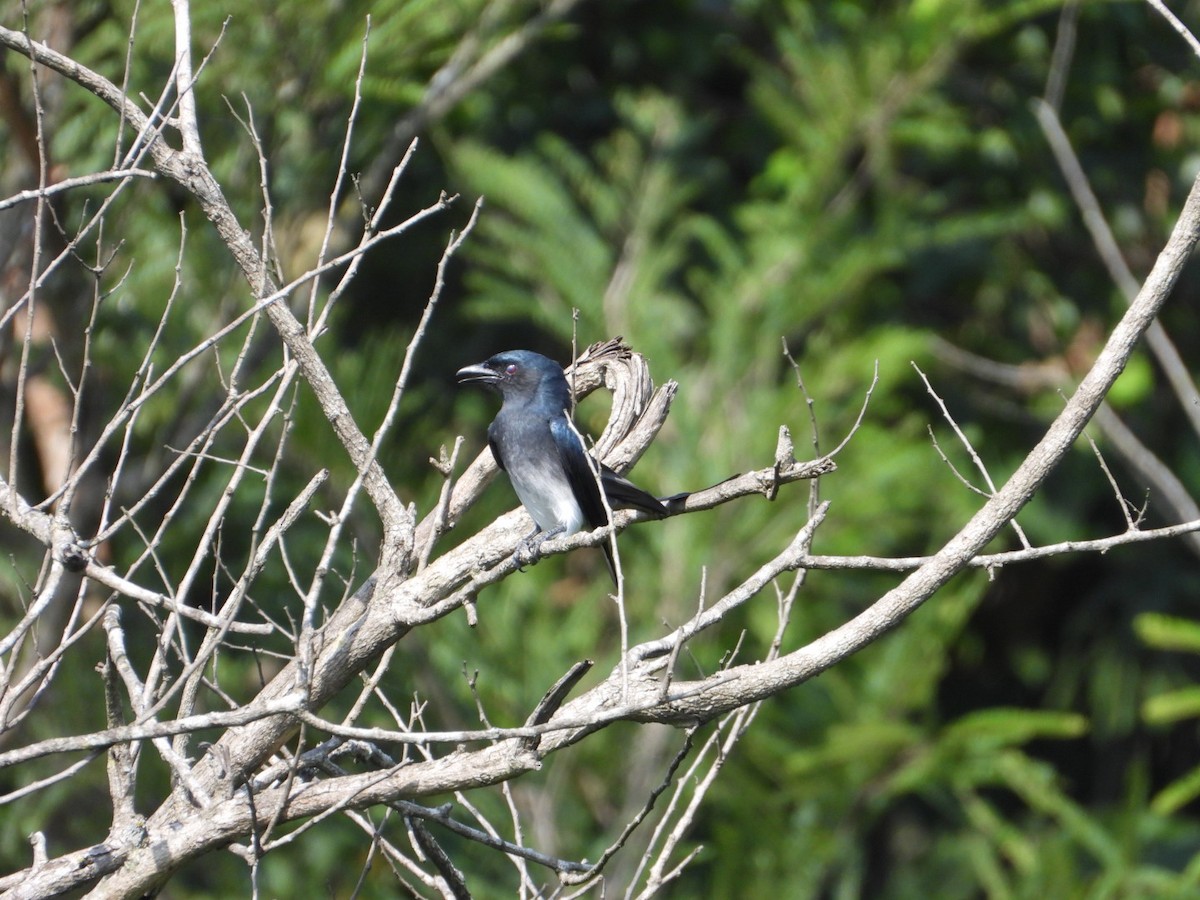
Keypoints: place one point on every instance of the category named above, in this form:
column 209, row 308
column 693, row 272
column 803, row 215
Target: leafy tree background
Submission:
column 865, row 181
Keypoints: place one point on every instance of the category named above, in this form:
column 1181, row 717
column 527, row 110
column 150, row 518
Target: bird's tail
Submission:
column 624, row 494
column 675, row 503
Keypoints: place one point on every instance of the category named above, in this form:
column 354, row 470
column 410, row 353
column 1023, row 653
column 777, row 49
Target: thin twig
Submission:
column 189, row 125
column 1175, row 23
column 970, row 448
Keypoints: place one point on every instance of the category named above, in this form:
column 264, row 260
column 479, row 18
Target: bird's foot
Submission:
column 529, row 551
column 526, row 553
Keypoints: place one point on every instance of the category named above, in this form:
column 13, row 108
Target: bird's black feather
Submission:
column 533, row 442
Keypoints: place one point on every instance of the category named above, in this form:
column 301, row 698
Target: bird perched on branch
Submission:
column 533, row 441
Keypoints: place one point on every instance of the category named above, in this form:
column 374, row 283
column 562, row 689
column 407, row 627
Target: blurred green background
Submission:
column 865, row 181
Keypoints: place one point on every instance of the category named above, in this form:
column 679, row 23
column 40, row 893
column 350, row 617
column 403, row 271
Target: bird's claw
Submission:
column 529, row 551
column 526, row 554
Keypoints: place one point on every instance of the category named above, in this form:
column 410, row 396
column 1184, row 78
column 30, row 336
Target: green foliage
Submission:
column 570, row 230
column 852, row 178
column 1169, row 632
column 852, row 241
column 1174, row 705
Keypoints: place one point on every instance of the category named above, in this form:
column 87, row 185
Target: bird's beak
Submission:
column 478, row 374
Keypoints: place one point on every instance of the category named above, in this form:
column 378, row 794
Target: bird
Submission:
column 547, row 463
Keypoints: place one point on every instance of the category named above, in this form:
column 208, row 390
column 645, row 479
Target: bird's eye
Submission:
column 510, row 369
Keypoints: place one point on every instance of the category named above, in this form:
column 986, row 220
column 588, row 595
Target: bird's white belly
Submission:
column 554, row 506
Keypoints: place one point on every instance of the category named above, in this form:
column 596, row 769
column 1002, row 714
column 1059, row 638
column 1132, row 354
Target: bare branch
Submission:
column 1175, row 23
column 967, row 445
column 324, row 669
column 189, row 126
column 69, row 184
column 1157, row 339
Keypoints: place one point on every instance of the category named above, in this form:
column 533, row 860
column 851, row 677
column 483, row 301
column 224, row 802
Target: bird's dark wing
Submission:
column 624, row 494
column 495, row 445
column 577, row 467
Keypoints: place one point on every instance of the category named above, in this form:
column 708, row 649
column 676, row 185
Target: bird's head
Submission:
column 517, row 374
